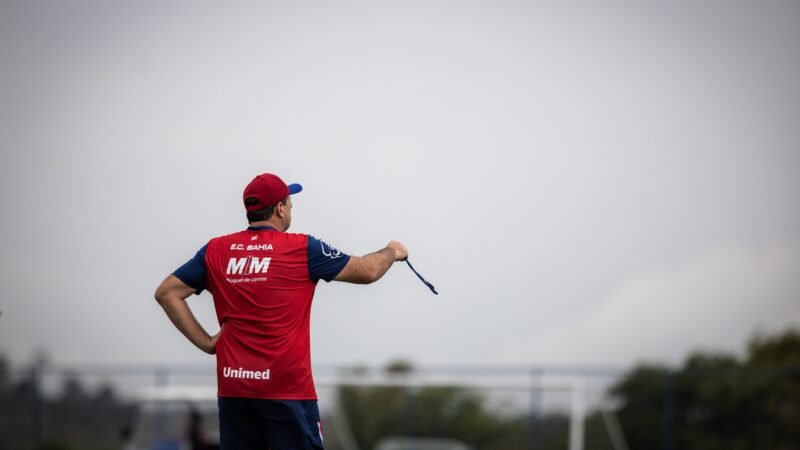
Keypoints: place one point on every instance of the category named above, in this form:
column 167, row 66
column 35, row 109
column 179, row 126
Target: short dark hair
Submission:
column 262, row 214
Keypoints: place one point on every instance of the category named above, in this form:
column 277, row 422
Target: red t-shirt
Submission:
column 263, row 283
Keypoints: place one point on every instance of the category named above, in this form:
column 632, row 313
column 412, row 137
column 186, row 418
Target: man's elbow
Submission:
column 363, row 275
column 371, row 276
column 160, row 295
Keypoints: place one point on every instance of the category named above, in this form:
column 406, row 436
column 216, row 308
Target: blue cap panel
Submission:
column 294, row 188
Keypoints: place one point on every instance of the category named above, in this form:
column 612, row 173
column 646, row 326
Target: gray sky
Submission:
column 583, row 183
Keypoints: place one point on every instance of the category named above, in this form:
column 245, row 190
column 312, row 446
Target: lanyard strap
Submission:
column 430, row 286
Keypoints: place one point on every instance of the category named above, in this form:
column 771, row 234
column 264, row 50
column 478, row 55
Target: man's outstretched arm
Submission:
column 172, row 295
column 370, row 268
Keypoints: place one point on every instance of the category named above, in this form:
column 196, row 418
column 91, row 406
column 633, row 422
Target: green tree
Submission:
column 451, row 412
column 643, row 414
column 76, row 419
column 716, row 401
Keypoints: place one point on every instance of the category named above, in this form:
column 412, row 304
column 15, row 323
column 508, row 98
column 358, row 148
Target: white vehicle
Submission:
column 175, row 418
column 416, row 443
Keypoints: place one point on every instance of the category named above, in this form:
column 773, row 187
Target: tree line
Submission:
column 712, row 401
column 74, row 419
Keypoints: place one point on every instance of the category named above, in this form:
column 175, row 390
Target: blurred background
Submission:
column 603, row 193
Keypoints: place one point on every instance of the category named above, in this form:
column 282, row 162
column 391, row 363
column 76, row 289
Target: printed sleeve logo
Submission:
column 329, row 251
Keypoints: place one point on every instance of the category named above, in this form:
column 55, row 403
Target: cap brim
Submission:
column 294, row 188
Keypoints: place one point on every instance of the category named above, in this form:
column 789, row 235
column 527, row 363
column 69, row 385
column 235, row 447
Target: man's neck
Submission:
column 268, row 223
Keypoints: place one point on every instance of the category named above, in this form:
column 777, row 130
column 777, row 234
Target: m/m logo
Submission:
column 247, row 266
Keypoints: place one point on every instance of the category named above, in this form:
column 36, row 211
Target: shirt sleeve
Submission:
column 193, row 273
column 324, row 261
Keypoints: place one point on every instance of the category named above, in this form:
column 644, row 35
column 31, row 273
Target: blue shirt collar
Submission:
column 265, row 227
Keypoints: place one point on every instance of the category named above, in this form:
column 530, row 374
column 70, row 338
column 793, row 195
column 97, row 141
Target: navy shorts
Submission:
column 259, row 424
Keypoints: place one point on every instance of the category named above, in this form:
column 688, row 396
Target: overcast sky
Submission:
column 583, row 182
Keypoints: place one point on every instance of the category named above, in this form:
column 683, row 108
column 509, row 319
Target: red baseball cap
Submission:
column 269, row 190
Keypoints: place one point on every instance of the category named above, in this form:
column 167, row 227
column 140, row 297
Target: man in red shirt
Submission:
column 263, row 281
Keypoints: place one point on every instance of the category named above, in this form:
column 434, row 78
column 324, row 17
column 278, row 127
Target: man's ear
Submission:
column 280, row 209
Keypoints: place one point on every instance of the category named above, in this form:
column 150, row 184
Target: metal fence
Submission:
column 481, row 407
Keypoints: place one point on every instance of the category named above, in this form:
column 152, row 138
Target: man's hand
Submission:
column 400, row 251
column 211, row 346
